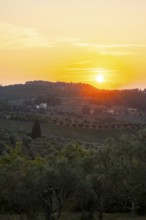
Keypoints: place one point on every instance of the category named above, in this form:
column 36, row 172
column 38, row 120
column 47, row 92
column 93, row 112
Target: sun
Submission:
column 100, row 78
column 100, row 75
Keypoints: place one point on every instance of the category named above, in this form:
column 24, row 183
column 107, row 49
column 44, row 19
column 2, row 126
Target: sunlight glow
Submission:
column 100, row 78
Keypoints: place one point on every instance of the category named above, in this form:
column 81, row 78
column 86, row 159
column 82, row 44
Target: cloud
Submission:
column 13, row 37
column 111, row 49
column 108, row 46
column 115, row 53
column 119, row 46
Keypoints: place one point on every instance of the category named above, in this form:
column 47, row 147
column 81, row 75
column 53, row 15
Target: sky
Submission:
column 101, row 42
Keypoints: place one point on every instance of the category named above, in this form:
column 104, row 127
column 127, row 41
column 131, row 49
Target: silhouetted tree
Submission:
column 36, row 130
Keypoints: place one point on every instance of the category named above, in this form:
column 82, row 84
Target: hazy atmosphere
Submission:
column 98, row 42
column 72, row 110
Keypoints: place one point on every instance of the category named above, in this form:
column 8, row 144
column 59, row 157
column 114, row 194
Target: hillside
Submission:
column 132, row 98
column 40, row 88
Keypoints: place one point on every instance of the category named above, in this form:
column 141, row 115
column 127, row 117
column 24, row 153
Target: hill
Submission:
column 132, row 98
column 33, row 89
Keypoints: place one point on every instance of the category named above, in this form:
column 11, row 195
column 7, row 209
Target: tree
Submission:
column 130, row 159
column 36, row 130
column 102, row 178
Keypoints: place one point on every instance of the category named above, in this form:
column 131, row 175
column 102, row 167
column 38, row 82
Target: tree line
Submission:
column 39, row 91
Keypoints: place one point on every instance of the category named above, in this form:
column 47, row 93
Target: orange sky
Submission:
column 74, row 41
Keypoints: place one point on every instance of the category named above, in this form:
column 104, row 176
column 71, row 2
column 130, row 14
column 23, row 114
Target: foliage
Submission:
column 109, row 178
column 35, row 90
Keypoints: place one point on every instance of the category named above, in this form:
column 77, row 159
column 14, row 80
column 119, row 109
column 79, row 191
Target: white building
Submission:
column 42, row 106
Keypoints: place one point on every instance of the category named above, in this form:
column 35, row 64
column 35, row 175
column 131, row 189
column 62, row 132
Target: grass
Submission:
column 81, row 134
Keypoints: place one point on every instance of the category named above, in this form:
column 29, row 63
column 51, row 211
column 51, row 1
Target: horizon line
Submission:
column 58, row 81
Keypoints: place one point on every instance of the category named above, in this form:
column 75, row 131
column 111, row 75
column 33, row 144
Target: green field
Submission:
column 80, row 134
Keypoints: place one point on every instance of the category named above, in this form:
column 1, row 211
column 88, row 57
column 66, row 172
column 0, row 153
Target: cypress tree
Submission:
column 36, row 130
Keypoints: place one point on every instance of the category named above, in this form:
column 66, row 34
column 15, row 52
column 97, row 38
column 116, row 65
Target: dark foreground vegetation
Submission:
column 72, row 152
column 71, row 179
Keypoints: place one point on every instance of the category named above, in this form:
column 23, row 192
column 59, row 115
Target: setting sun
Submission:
column 100, row 78
column 95, row 44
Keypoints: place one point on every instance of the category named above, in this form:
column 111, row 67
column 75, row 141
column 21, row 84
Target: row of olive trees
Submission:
column 113, row 178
